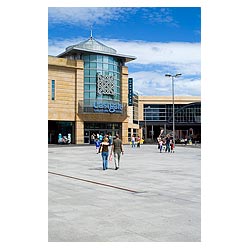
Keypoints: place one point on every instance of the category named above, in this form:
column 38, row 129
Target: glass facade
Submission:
column 102, row 128
column 184, row 113
column 103, row 65
column 62, row 127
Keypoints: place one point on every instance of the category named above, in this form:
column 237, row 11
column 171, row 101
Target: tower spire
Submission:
column 91, row 32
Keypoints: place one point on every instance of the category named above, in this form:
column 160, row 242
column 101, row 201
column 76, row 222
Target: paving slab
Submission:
column 153, row 197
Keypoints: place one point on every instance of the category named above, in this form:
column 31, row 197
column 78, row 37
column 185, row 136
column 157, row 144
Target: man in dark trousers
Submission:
column 117, row 149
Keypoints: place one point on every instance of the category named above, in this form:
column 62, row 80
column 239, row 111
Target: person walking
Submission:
column 138, row 141
column 160, row 144
column 100, row 137
column 117, row 149
column 133, row 141
column 97, row 145
column 164, row 145
column 168, row 144
column 172, row 146
column 110, row 139
column 104, row 149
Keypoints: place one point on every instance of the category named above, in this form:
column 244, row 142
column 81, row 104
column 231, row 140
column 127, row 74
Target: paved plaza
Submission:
column 153, row 197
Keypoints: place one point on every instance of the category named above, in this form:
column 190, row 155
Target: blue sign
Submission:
column 130, row 92
column 107, row 107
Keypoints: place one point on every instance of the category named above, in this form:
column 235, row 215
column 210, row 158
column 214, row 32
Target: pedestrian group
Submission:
column 102, row 146
column 165, row 144
column 104, row 142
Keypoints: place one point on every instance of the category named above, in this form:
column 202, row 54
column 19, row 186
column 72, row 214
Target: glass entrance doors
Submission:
column 91, row 130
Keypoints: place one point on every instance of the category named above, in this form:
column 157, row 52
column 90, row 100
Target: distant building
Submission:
column 155, row 113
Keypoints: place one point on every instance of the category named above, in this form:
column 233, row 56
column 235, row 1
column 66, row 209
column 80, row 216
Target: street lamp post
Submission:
column 146, row 134
column 172, row 78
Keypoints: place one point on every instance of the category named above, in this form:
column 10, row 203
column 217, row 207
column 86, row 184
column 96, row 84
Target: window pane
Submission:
column 87, row 102
column 93, row 65
column 111, row 60
column 86, row 95
column 105, row 66
column 92, row 87
column 93, row 80
column 93, row 72
column 86, row 65
column 86, row 87
column 92, row 58
column 53, row 90
column 86, row 72
column 86, row 79
column 86, row 58
column 99, row 58
column 99, row 66
column 105, row 59
column 111, row 67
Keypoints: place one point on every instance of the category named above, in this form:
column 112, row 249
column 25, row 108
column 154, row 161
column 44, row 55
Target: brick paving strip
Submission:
column 94, row 182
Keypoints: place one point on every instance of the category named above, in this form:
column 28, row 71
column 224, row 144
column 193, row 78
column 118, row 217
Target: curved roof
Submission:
column 92, row 44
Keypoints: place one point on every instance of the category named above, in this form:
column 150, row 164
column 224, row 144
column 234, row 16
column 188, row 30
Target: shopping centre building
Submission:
column 155, row 114
column 90, row 92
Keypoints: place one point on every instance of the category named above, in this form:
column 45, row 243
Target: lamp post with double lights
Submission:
column 172, row 78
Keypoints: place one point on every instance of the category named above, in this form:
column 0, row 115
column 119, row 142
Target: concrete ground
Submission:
column 153, row 197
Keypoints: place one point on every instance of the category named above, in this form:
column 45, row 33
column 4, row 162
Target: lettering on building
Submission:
column 107, row 107
column 130, row 92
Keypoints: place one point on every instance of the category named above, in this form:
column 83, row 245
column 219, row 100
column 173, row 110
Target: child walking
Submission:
column 172, row 146
column 97, row 145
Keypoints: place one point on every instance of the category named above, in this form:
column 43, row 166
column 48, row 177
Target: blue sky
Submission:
column 164, row 40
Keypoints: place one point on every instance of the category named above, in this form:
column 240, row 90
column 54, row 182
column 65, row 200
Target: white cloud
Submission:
column 159, row 59
column 161, row 15
column 155, row 83
column 153, row 61
column 146, row 52
column 158, row 52
column 55, row 47
column 85, row 16
column 89, row 16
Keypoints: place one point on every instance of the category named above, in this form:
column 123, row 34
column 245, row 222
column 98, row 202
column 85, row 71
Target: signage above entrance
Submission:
column 107, row 107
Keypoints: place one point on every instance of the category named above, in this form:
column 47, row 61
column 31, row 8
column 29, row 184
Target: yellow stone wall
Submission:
column 65, row 72
column 68, row 76
column 79, row 125
column 124, row 99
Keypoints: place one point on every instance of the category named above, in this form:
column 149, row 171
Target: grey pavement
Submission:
column 153, row 197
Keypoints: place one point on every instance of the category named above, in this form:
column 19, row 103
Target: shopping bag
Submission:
column 110, row 157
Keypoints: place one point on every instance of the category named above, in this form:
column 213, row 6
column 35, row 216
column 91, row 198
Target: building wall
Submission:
column 124, row 99
column 79, row 126
column 68, row 78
